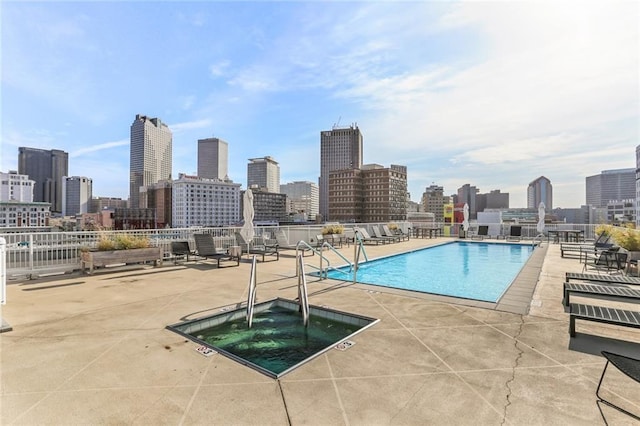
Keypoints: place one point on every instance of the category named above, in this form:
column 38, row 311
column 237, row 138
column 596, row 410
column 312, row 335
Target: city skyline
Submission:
column 490, row 94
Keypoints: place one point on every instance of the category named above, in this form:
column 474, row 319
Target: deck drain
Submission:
column 345, row 345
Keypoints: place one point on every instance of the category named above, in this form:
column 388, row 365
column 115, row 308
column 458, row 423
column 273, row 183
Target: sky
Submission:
column 493, row 94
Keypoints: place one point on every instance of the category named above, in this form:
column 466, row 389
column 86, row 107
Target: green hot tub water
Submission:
column 278, row 341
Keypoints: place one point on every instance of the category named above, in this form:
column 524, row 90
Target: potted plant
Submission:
column 628, row 238
column 332, row 229
column 118, row 249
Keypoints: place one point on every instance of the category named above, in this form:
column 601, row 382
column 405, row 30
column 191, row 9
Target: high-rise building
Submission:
column 101, row 203
column 467, row 194
column 150, row 155
column 77, row 193
column 433, row 201
column 370, row 194
column 47, row 168
column 213, row 158
column 268, row 207
column 340, row 149
column 16, row 187
column 158, row 196
column 611, row 186
column 540, row 191
column 204, row 202
column 637, row 186
column 263, row 173
column 302, row 198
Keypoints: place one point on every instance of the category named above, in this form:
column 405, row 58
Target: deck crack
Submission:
column 511, row 379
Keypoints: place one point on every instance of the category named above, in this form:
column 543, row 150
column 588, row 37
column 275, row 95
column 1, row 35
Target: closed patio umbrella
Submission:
column 541, row 214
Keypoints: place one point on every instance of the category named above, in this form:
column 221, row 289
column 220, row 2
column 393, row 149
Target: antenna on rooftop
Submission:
column 335, row 126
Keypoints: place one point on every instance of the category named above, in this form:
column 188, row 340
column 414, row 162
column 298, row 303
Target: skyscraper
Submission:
column 47, row 168
column 540, row 190
column 340, row 149
column 150, row 155
column 213, row 158
column 610, row 186
column 77, row 194
column 264, row 173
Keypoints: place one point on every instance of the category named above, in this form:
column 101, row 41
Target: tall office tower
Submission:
column 16, row 187
column 302, row 198
column 637, row 186
column 150, row 155
column 213, row 158
column 340, row 149
column 611, row 186
column 264, row 173
column 204, row 202
column 467, row 194
column 433, row 200
column 372, row 193
column 540, row 191
column 47, row 168
column 77, row 194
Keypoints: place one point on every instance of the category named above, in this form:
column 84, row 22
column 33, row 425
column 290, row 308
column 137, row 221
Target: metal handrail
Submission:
column 323, row 271
column 303, row 296
column 251, row 299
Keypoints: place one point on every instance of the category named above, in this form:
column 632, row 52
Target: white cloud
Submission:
column 99, row 147
column 190, row 125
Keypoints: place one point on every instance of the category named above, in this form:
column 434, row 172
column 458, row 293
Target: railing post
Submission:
column 3, row 270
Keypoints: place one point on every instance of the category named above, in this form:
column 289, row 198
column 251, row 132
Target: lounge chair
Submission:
column 181, row 250
column 283, row 244
column 606, row 279
column 515, row 233
column 627, row 365
column 264, row 249
column 206, row 248
column 483, row 231
column 400, row 234
column 378, row 234
column 599, row 290
column 601, row 314
column 368, row 239
column 580, row 249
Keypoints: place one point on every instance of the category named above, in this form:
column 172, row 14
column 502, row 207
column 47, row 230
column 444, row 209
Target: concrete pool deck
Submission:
column 94, row 350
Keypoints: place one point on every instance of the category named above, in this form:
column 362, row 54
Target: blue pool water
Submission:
column 471, row 270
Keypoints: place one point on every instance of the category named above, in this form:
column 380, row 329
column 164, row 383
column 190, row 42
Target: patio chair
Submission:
column 181, row 250
column 264, row 249
column 515, row 233
column 283, row 243
column 400, row 234
column 378, row 234
column 206, row 248
column 611, row 260
column 483, row 231
column 368, row 239
column 627, row 365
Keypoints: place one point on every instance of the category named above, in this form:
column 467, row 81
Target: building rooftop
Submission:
column 95, row 350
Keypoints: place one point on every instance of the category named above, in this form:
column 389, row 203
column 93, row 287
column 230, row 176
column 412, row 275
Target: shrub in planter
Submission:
column 332, row 229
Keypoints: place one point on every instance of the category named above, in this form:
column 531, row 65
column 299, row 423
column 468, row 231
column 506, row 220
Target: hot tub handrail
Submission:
column 303, row 297
column 251, row 299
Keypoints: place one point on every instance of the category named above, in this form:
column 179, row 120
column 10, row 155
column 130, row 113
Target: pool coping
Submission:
column 516, row 298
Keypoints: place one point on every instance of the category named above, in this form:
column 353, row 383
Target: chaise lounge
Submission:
column 205, row 248
column 264, row 249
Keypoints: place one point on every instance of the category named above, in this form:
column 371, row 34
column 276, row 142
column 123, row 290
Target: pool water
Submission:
column 470, row 270
column 278, row 341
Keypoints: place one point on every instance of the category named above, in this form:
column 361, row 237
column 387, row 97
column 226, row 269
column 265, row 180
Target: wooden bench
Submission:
column 603, row 315
column 617, row 291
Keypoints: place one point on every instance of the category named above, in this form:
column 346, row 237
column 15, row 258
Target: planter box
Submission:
column 93, row 259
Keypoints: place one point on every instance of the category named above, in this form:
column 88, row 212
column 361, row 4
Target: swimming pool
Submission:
column 470, row 270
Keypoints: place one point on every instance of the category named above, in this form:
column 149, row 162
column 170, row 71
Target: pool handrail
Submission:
column 303, row 297
column 251, row 299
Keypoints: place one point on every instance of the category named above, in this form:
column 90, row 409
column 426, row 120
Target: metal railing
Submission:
column 303, row 296
column 41, row 253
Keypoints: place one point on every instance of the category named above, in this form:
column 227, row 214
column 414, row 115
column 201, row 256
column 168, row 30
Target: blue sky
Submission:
column 494, row 94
